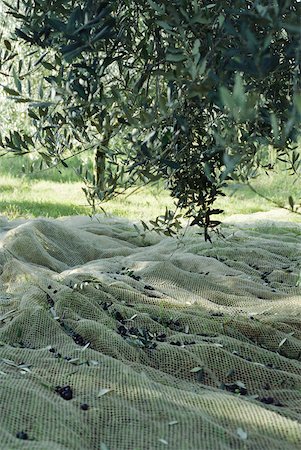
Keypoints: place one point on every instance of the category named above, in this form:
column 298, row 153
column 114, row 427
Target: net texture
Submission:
column 110, row 339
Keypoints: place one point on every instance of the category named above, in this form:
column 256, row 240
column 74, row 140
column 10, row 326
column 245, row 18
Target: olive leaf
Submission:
column 241, row 433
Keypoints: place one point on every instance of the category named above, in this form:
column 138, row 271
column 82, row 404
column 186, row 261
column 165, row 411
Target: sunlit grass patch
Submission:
column 22, row 198
column 62, row 195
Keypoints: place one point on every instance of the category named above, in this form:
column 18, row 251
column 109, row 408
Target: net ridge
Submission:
column 119, row 340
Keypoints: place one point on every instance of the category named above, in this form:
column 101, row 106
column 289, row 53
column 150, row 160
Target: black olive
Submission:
column 65, row 392
column 150, row 288
column 267, row 400
column 84, row 406
column 161, row 337
column 119, row 317
column 135, row 277
column 122, row 330
column 79, row 340
column 22, row 435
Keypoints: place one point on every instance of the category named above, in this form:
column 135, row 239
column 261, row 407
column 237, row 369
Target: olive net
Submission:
column 114, row 339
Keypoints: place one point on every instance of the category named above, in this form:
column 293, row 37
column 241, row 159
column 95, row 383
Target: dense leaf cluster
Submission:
column 194, row 90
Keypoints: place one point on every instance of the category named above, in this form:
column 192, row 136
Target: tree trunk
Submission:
column 100, row 162
column 100, row 167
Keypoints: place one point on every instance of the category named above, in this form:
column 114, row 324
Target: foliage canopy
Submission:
column 194, row 89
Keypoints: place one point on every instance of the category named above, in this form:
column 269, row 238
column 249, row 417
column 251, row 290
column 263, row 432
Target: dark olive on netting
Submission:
column 119, row 317
column 267, row 400
column 150, row 288
column 22, row 435
column 161, row 337
column 65, row 392
column 122, row 330
column 84, row 406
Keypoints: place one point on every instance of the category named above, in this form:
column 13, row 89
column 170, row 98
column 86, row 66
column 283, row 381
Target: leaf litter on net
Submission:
column 104, row 391
column 241, row 433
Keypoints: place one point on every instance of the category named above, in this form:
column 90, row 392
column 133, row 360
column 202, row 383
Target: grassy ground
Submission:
column 52, row 194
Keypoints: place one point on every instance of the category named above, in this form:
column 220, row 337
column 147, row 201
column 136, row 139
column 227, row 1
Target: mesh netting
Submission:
column 114, row 340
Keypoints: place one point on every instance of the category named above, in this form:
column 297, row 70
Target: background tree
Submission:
column 195, row 91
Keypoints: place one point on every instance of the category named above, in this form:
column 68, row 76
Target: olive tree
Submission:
column 194, row 90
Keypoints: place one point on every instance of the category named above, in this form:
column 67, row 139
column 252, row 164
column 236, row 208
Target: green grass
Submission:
column 277, row 186
column 53, row 194
column 22, row 198
column 17, row 166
